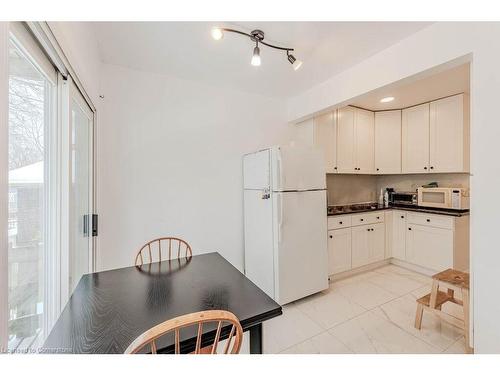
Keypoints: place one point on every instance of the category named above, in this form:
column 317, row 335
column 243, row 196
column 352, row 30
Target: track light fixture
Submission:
column 257, row 36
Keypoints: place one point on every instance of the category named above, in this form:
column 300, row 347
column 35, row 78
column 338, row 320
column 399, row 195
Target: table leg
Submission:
column 256, row 339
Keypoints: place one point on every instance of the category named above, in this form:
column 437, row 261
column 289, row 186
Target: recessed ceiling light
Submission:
column 387, row 99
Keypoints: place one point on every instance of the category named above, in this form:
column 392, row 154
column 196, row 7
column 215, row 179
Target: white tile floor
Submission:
column 372, row 312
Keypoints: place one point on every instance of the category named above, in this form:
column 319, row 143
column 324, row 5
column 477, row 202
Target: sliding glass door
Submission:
column 31, row 126
column 80, row 198
column 50, row 193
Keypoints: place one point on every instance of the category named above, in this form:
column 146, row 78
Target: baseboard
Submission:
column 372, row 266
column 412, row 267
column 356, row 271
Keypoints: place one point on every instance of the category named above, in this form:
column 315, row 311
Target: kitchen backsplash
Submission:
column 347, row 189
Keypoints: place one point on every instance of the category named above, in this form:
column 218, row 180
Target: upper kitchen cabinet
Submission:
column 346, row 133
column 365, row 141
column 355, row 141
column 325, row 138
column 449, row 134
column 388, row 142
column 435, row 136
column 415, row 139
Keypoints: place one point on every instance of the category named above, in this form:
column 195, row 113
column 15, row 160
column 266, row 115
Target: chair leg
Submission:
column 434, row 293
column 418, row 317
column 465, row 299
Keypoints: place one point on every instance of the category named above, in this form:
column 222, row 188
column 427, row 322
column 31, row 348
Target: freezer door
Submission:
column 256, row 170
column 297, row 168
column 259, row 255
column 301, row 243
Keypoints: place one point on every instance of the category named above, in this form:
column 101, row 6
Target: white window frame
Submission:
column 57, row 158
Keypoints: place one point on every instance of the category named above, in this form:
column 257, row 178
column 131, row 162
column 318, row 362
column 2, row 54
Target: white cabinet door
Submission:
column 346, row 154
column 339, row 250
column 415, row 139
column 365, row 141
column 325, row 138
column 399, row 229
column 377, row 242
column 447, row 135
column 360, row 245
column 429, row 247
column 388, row 142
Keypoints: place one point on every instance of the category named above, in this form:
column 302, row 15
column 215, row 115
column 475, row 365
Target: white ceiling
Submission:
column 431, row 87
column 186, row 50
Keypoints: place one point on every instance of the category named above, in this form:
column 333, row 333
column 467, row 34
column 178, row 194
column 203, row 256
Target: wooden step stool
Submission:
column 432, row 302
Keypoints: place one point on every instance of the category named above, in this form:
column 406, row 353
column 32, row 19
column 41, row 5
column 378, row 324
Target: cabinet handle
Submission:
column 402, row 217
column 409, row 228
column 335, row 168
column 378, row 217
column 331, row 236
column 368, row 230
column 432, row 167
column 428, row 220
column 378, row 169
column 340, row 222
column 361, row 219
column 425, row 167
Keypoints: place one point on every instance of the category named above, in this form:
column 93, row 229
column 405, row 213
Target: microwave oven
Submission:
column 451, row 198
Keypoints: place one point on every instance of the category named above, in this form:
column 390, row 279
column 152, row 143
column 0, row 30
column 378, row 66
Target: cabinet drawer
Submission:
column 436, row 221
column 338, row 222
column 367, row 218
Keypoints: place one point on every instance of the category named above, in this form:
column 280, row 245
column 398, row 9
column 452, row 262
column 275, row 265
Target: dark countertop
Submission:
column 356, row 209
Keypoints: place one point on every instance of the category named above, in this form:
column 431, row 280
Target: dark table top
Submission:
column 109, row 309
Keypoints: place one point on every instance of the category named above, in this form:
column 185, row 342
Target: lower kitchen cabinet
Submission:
column 339, row 250
column 399, row 235
column 368, row 244
column 432, row 242
column 429, row 247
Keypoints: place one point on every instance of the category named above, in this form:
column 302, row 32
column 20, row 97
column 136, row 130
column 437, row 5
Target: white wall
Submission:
column 170, row 162
column 79, row 43
column 426, row 49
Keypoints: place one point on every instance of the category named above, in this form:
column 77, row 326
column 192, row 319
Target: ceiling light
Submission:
column 257, row 36
column 217, row 33
column 295, row 63
column 256, row 56
column 387, row 99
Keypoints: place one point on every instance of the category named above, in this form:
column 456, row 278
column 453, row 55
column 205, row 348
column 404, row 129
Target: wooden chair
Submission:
column 198, row 318
column 152, row 251
column 433, row 302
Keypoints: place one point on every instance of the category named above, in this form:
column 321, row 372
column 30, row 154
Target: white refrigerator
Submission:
column 285, row 221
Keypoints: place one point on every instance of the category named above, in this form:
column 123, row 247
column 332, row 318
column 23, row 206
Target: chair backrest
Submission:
column 222, row 318
column 162, row 248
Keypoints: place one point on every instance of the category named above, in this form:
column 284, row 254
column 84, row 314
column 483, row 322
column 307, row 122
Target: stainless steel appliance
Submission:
column 403, row 198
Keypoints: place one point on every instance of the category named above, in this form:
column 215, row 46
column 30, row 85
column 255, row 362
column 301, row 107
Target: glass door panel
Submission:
column 80, row 205
column 30, row 128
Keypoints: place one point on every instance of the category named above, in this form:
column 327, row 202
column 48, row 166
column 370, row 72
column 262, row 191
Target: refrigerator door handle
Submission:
column 278, row 170
column 280, row 217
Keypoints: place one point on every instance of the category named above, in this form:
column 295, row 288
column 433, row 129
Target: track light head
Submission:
column 217, row 33
column 256, row 56
column 295, row 63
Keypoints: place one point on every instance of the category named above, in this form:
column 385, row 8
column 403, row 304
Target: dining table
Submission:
column 109, row 309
